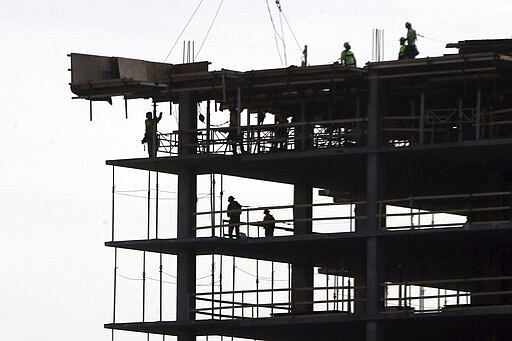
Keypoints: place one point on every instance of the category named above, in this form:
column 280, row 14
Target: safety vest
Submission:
column 411, row 36
column 348, row 58
column 401, row 52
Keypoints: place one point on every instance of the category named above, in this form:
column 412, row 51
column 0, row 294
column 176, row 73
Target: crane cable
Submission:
column 276, row 35
column 209, row 29
column 278, row 4
column 184, row 28
column 437, row 40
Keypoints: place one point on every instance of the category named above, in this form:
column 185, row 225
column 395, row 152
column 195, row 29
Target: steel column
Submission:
column 187, row 197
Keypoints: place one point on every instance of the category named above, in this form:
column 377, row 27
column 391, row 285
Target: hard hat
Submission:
column 266, row 210
column 230, row 198
column 407, row 24
column 346, row 45
column 402, row 39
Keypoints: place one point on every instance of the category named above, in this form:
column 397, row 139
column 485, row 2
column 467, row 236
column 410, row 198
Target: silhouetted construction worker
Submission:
column 234, row 212
column 403, row 49
column 347, row 57
column 150, row 134
column 281, row 132
column 269, row 223
column 234, row 137
column 412, row 50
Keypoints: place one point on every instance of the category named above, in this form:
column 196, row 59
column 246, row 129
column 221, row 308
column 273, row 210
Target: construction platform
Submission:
column 416, row 155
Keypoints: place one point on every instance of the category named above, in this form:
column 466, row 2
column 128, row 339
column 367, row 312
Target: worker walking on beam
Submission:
column 347, row 57
column 150, row 134
column 412, row 49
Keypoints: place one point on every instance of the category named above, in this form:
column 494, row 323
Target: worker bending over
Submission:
column 403, row 49
column 347, row 57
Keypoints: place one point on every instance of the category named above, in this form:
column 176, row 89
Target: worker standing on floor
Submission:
column 269, row 223
column 403, row 49
column 234, row 212
column 412, row 50
column 150, row 134
column 347, row 57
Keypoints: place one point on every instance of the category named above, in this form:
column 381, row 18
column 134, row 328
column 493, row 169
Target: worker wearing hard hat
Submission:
column 234, row 211
column 269, row 223
column 412, row 50
column 150, row 134
column 347, row 57
column 403, row 49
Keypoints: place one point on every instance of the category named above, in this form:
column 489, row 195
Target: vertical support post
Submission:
column 126, row 108
column 373, row 278
column 160, row 268
column 239, row 137
column 90, row 110
column 144, row 252
column 302, row 274
column 272, row 291
column 249, row 132
column 233, row 289
column 460, row 124
column 187, row 202
column 478, row 112
column 422, row 118
column 208, row 126
column 115, row 251
column 156, row 206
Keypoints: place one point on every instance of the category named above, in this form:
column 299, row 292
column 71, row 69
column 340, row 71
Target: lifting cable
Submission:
column 182, row 31
column 282, row 31
column 209, row 29
column 439, row 41
column 291, row 31
column 276, row 35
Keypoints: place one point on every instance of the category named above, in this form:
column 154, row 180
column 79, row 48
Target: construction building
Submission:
column 416, row 155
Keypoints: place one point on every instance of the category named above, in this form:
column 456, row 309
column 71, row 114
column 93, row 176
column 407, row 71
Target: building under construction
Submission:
column 416, row 155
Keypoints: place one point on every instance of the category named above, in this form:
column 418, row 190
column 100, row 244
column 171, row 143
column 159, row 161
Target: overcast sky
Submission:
column 56, row 275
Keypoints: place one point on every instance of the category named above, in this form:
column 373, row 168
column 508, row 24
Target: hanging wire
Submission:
column 293, row 34
column 276, row 35
column 182, row 31
column 209, row 29
column 163, row 281
column 283, row 41
column 143, row 196
column 439, row 41
column 260, row 277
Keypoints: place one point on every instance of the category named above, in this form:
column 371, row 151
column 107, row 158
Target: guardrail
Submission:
column 342, row 216
column 269, row 137
column 243, row 304
column 413, row 212
column 430, row 296
column 443, row 211
column 446, row 125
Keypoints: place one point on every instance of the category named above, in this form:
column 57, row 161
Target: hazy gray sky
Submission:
column 56, row 275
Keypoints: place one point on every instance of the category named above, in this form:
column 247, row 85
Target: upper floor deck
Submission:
column 448, row 99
